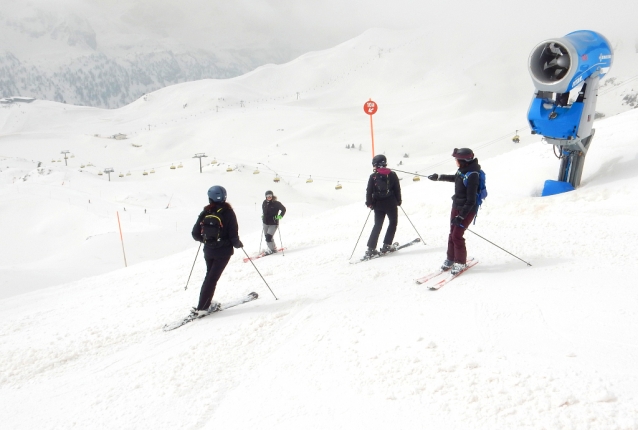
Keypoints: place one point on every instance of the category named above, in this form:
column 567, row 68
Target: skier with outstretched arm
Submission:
column 464, row 206
column 272, row 211
column 217, row 229
column 383, row 195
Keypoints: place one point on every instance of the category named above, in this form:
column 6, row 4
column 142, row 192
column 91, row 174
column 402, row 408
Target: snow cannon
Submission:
column 566, row 72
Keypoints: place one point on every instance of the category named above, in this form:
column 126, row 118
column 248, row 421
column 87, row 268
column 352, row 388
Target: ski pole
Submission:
column 529, row 264
column 189, row 276
column 410, row 173
column 262, row 278
column 417, row 231
column 261, row 238
column 364, row 226
column 283, row 253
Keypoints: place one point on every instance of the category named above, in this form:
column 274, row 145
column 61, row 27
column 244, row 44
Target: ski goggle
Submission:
column 268, row 195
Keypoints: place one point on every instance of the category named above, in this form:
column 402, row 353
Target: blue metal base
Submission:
column 556, row 187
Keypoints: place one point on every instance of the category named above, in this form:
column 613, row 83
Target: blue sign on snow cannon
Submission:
column 566, row 72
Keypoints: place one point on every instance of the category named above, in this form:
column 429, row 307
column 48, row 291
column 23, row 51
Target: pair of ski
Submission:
column 396, row 247
column 262, row 254
column 249, row 298
column 433, row 281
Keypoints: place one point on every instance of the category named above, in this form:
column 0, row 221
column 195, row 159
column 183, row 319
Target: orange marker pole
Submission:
column 372, row 134
column 370, row 108
column 121, row 239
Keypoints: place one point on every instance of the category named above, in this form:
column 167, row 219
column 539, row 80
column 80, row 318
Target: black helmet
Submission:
column 217, row 194
column 379, row 161
column 464, row 154
column 269, row 193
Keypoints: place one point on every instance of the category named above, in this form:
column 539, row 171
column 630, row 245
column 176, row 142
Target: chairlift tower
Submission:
column 200, row 155
column 65, row 152
column 108, row 171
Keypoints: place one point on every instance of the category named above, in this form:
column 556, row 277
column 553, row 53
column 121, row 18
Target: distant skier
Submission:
column 272, row 211
column 464, row 206
column 383, row 194
column 217, row 229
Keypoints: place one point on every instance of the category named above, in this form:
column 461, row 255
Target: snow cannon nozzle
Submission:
column 559, row 65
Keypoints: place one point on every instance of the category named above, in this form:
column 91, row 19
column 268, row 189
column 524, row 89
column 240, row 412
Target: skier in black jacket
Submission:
column 464, row 207
column 272, row 211
column 217, row 228
column 383, row 194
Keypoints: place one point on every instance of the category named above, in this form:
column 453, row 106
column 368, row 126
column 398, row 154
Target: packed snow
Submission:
column 553, row 345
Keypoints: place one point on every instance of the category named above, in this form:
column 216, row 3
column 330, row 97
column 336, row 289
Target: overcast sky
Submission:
column 304, row 25
column 319, row 24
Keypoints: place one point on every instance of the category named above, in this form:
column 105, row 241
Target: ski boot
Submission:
column 371, row 252
column 458, row 268
column 387, row 248
column 447, row 265
column 198, row 313
column 214, row 307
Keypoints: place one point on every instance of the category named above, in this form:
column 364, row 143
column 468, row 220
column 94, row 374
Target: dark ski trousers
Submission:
column 381, row 209
column 214, row 269
column 456, row 251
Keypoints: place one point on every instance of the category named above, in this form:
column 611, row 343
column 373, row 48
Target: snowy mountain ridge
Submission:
column 58, row 55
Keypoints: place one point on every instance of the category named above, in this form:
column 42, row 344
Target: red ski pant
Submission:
column 456, row 251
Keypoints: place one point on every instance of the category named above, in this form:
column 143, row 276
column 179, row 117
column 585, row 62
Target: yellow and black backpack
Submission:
column 212, row 228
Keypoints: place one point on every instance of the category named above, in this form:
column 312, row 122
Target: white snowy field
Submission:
column 505, row 346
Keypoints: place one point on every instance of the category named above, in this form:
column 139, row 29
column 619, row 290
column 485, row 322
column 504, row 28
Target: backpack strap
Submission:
column 465, row 176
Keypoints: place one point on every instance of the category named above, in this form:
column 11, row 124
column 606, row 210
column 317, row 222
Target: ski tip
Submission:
column 254, row 294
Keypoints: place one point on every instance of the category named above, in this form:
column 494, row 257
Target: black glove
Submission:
column 369, row 205
column 237, row 243
column 457, row 220
column 434, row 177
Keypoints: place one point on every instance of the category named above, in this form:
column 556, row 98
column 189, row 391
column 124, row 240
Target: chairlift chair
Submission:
column 516, row 138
